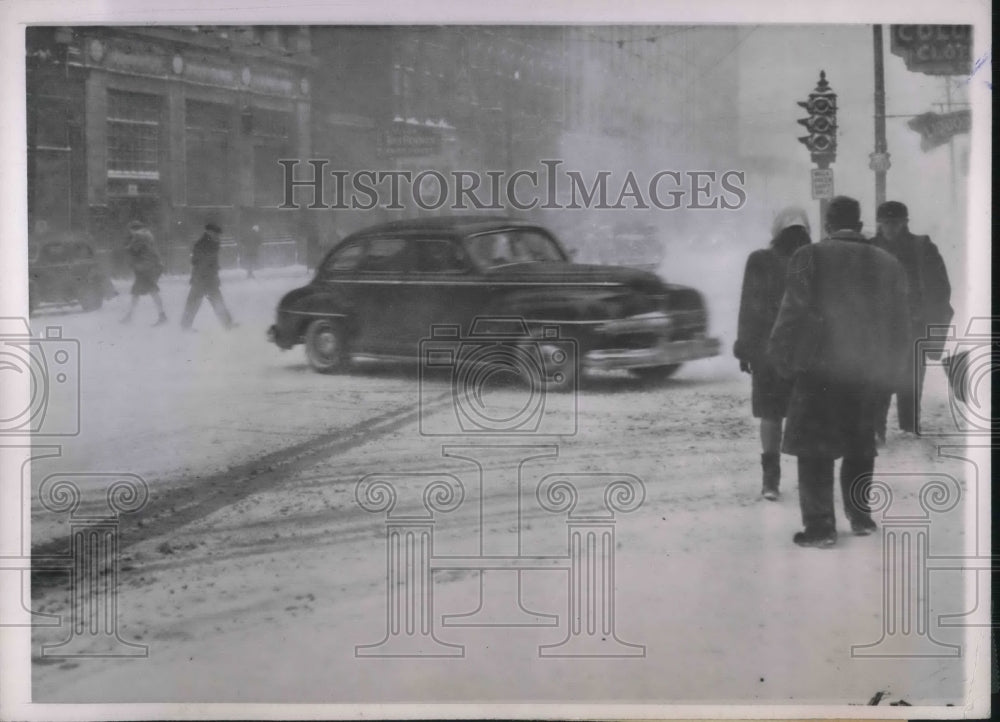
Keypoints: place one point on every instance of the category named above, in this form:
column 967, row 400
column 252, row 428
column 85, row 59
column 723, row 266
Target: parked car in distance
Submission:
column 67, row 272
column 383, row 291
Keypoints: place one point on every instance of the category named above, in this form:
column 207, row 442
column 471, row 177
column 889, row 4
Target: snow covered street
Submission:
column 253, row 574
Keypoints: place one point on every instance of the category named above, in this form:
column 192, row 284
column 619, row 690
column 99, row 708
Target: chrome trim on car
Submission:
column 657, row 321
column 663, row 354
column 323, row 314
column 479, row 281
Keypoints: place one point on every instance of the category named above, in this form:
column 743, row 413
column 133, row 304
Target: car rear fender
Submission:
column 305, row 309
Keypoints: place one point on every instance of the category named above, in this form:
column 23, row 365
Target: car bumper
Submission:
column 666, row 353
column 664, row 349
column 274, row 337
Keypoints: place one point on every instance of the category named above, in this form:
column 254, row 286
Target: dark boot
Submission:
column 816, row 502
column 855, row 486
column 770, row 462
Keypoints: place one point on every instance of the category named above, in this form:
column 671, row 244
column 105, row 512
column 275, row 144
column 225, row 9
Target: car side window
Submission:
column 344, row 259
column 384, row 255
column 439, row 256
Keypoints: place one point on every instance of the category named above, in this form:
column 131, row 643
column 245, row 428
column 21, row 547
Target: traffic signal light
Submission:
column 821, row 123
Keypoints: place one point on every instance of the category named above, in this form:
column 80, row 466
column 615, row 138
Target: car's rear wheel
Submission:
column 654, row 374
column 91, row 298
column 326, row 346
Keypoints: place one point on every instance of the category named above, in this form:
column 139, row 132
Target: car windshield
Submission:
column 504, row 248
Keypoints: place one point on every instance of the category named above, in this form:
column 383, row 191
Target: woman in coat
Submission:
column 147, row 267
column 763, row 288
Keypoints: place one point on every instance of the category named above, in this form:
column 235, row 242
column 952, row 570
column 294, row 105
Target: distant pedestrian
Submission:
column 763, row 288
column 140, row 252
column 930, row 305
column 841, row 336
column 205, row 279
column 250, row 250
column 313, row 250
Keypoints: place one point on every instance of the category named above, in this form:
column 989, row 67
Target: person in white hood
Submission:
column 763, row 288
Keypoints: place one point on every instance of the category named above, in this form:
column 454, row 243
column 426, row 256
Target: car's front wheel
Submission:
column 326, row 347
column 655, row 374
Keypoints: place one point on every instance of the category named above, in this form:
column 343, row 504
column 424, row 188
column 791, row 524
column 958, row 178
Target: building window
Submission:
column 133, row 137
column 206, row 134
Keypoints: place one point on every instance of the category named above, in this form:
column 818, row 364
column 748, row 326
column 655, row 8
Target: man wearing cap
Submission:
column 147, row 267
column 763, row 287
column 205, row 278
column 841, row 336
column 930, row 304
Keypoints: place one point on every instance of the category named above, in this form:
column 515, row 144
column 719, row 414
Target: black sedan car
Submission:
column 386, row 291
column 67, row 272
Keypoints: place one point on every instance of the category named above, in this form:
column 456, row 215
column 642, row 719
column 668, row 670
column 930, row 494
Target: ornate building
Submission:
column 174, row 125
column 168, row 125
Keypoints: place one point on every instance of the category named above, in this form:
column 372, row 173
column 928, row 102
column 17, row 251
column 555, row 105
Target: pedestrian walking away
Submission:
column 929, row 305
column 841, row 336
column 763, row 288
column 140, row 251
column 250, row 249
column 205, row 279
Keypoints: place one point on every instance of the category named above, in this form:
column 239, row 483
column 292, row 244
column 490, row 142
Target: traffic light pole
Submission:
column 822, row 139
column 823, row 202
column 880, row 143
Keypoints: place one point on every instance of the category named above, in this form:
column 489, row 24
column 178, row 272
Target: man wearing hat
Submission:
column 841, row 336
column 930, row 304
column 147, row 267
column 205, row 278
column 763, row 287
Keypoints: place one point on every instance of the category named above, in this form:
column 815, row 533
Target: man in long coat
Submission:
column 841, row 335
column 930, row 305
column 205, row 279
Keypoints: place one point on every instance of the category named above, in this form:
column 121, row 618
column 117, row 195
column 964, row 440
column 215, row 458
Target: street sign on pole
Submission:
column 822, row 183
column 938, row 128
column 879, row 162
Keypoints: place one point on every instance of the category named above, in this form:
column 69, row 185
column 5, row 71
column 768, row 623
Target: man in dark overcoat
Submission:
column 841, row 335
column 930, row 305
column 763, row 288
column 205, row 279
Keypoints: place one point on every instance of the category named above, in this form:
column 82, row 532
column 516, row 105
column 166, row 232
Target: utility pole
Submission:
column 951, row 140
column 880, row 158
